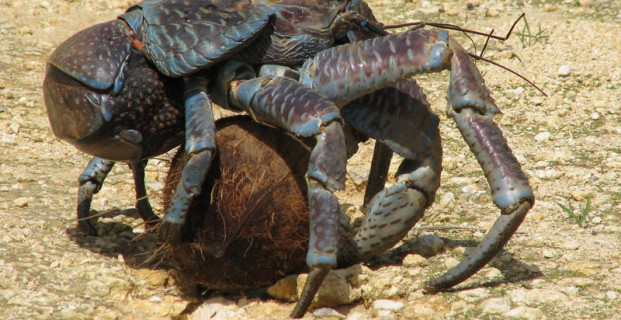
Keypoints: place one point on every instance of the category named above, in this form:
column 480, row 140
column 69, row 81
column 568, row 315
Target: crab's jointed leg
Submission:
column 285, row 103
column 200, row 145
column 142, row 202
column 350, row 71
column 399, row 118
column 90, row 182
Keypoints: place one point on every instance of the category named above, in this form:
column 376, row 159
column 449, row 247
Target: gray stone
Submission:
column 429, row 245
column 328, row 312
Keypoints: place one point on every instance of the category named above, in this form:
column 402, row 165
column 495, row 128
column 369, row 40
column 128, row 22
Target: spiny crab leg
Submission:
column 285, row 103
column 350, row 71
column 512, row 193
column 91, row 180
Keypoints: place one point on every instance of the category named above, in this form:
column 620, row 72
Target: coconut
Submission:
column 249, row 226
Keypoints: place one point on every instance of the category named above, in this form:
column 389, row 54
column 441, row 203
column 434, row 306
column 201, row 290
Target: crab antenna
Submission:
column 449, row 26
column 508, row 69
column 485, row 45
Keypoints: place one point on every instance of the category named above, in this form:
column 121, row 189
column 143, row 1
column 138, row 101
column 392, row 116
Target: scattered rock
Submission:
column 414, row 260
column 450, row 262
column 391, row 305
column 564, row 71
column 328, row 312
column 495, row 305
column 584, row 267
column 524, row 313
column 218, row 309
column 538, row 297
column 493, row 13
column 429, row 245
column 542, row 136
column 447, row 201
column 611, row 295
column 474, row 294
column 585, row 3
column 549, row 7
column 570, row 245
column 285, row 289
column 21, row 202
column 339, row 287
column 548, row 253
column 156, row 278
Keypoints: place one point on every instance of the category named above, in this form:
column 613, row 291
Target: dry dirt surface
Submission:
column 569, row 144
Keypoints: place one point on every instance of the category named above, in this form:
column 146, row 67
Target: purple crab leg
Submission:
column 200, row 145
column 400, row 119
column 473, row 110
column 350, row 71
column 142, row 202
column 285, row 103
column 380, row 164
column 90, row 182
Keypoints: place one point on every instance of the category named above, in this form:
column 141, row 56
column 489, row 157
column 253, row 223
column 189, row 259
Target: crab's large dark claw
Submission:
column 473, row 112
column 79, row 89
column 104, row 98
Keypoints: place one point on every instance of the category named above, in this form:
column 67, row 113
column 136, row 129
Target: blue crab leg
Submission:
column 285, row 103
column 380, row 164
column 399, row 118
column 473, row 111
column 90, row 181
column 142, row 202
column 350, row 71
column 200, row 145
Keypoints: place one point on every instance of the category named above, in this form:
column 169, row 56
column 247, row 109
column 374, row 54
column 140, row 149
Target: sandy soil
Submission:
column 553, row 268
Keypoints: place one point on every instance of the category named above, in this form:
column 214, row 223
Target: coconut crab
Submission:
column 135, row 87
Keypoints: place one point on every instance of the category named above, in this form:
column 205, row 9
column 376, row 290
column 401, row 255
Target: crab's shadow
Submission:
column 512, row 269
column 119, row 240
column 141, row 250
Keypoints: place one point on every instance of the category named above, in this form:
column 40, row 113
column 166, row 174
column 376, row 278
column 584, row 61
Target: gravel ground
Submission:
column 552, row 268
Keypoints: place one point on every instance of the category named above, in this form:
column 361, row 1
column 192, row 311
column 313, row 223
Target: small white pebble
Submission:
column 328, row 312
column 612, row 295
column 384, row 304
column 542, row 136
column 571, row 245
column 564, row 71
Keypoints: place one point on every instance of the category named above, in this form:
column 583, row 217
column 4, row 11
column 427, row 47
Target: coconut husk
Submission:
column 249, row 226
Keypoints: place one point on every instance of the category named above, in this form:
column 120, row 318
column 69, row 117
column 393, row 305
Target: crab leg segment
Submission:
column 200, row 145
column 399, row 118
column 347, row 72
column 473, row 109
column 350, row 71
column 90, row 182
column 142, row 202
column 287, row 104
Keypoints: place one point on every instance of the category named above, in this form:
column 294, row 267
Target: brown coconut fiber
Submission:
column 249, row 226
